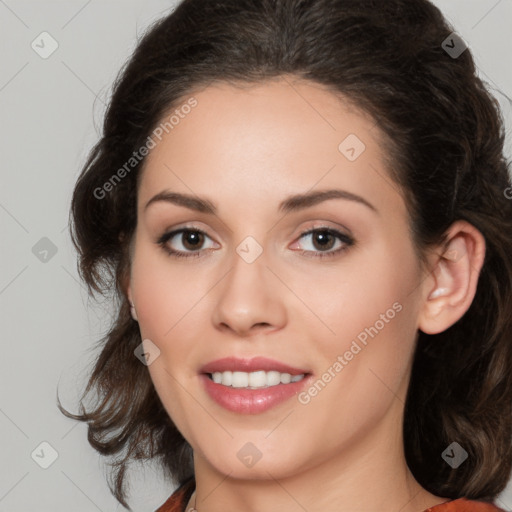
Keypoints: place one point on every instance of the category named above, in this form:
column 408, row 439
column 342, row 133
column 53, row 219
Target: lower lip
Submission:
column 251, row 401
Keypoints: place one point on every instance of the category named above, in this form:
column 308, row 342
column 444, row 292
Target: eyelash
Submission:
column 347, row 240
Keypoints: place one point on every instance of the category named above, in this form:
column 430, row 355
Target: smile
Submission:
column 252, row 386
column 254, row 380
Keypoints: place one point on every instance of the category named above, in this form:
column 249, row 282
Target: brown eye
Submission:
column 190, row 241
column 324, row 239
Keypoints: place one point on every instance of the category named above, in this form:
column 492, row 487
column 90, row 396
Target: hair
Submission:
column 444, row 137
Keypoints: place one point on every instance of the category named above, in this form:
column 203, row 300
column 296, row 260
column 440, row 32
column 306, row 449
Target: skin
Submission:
column 247, row 149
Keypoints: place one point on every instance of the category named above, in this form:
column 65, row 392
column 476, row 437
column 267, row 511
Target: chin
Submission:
column 250, row 460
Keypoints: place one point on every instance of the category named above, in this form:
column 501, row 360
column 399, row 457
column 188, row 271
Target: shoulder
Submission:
column 179, row 498
column 465, row 505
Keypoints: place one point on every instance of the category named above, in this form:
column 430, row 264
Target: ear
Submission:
column 451, row 285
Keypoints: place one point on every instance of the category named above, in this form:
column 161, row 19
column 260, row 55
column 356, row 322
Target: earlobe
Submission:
column 451, row 287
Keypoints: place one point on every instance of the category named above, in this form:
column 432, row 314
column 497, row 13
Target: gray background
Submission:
column 51, row 111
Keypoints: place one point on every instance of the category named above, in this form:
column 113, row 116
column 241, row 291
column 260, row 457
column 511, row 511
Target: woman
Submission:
column 301, row 207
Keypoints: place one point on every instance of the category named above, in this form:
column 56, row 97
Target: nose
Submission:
column 250, row 299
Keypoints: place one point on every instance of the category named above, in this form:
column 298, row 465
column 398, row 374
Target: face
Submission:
column 326, row 287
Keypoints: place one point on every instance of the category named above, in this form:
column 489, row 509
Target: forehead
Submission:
column 263, row 140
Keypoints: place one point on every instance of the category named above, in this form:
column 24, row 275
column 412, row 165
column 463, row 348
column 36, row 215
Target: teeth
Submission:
column 240, row 380
column 254, row 380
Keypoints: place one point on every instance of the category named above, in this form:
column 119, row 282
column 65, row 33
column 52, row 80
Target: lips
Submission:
column 245, row 400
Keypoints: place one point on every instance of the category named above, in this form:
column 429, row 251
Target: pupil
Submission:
column 190, row 236
column 323, row 238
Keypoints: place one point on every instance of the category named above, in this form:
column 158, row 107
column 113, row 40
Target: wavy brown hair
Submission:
column 445, row 137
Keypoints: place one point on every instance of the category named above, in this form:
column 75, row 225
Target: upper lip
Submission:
column 254, row 364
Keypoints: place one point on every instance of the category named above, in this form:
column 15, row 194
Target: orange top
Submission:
column 179, row 499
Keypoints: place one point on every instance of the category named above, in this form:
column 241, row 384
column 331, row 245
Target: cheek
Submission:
column 158, row 290
column 372, row 289
column 169, row 312
column 371, row 310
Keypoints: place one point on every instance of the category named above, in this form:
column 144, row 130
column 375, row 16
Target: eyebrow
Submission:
column 293, row 203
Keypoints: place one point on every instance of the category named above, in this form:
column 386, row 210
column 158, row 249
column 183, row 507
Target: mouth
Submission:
column 251, row 386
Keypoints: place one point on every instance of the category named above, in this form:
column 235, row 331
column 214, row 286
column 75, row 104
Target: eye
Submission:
column 191, row 241
column 324, row 238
